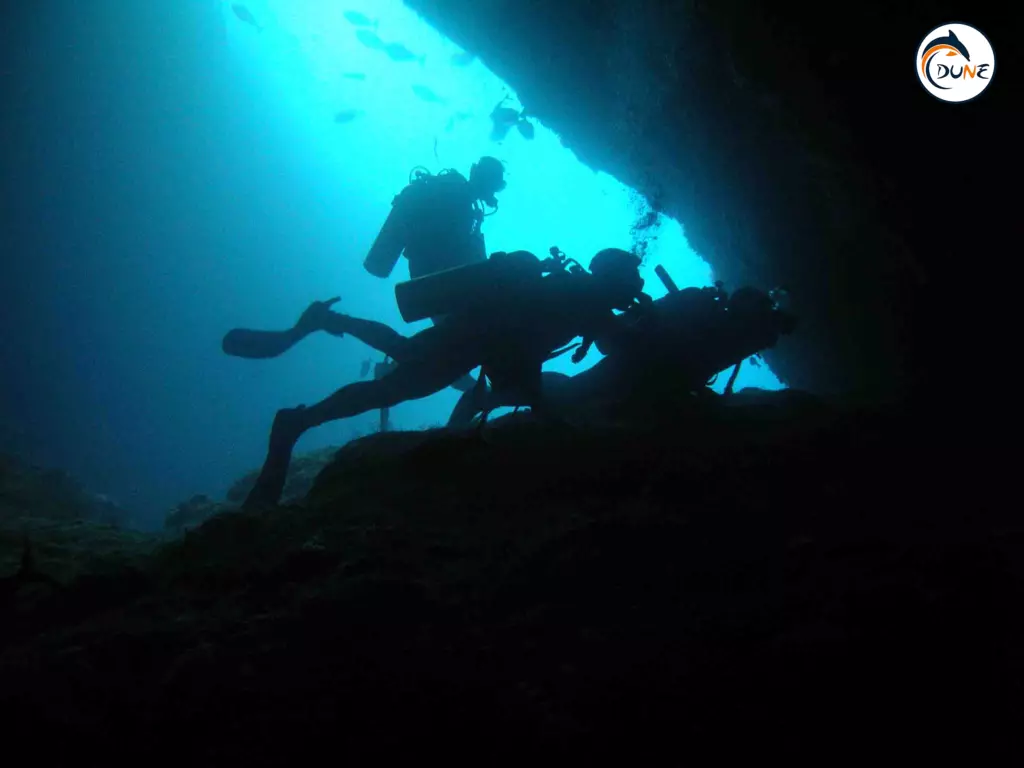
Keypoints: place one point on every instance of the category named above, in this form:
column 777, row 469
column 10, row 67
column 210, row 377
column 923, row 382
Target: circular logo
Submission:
column 955, row 62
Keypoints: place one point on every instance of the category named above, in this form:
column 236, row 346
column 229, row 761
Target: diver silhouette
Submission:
column 435, row 221
column 509, row 326
column 318, row 316
column 678, row 344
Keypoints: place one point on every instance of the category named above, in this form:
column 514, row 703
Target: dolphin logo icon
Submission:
column 950, row 43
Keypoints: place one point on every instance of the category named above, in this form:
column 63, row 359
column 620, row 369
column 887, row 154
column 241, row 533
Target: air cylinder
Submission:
column 474, row 286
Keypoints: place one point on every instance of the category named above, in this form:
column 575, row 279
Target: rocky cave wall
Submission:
column 793, row 142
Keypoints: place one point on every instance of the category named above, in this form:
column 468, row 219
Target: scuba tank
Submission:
column 388, row 245
column 391, row 240
column 411, row 210
column 393, row 236
column 503, row 278
column 474, row 286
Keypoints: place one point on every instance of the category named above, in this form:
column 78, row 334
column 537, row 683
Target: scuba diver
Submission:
column 680, row 343
column 507, row 315
column 435, row 221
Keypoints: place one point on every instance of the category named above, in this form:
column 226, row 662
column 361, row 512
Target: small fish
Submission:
column 463, row 59
column 354, row 76
column 357, row 19
column 427, row 95
column 398, row 52
column 346, row 116
column 364, row 368
column 525, row 128
column 245, row 15
column 370, row 39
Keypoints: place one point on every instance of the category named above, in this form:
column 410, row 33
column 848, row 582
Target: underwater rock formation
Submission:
column 795, row 149
column 301, row 475
column 66, row 530
column 764, row 567
column 189, row 514
column 52, row 494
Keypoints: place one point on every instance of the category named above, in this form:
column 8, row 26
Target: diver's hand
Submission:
column 316, row 317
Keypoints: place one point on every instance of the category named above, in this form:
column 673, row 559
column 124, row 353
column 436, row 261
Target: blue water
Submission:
column 172, row 173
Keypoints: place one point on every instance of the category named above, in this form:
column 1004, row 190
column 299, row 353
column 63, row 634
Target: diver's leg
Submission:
column 601, row 382
column 385, row 339
column 270, row 483
column 480, row 400
column 529, row 389
column 410, row 381
column 379, row 336
column 472, row 402
column 529, row 384
column 465, row 383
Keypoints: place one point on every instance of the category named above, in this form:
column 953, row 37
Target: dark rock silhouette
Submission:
column 759, row 129
column 755, row 565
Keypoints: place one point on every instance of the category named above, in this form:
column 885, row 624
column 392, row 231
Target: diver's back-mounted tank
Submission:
column 390, row 241
column 415, row 214
column 481, row 286
column 394, row 235
column 387, row 246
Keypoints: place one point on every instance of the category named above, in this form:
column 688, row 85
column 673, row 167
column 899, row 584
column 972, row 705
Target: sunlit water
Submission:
column 315, row 66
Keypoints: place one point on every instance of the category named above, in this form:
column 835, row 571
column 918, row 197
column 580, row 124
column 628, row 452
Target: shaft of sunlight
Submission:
column 377, row 91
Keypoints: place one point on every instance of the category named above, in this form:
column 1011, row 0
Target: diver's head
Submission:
column 487, row 177
column 618, row 272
